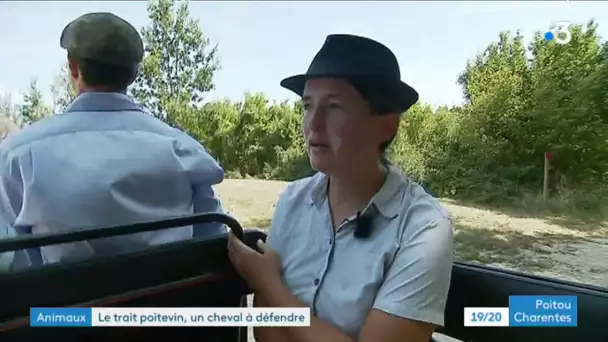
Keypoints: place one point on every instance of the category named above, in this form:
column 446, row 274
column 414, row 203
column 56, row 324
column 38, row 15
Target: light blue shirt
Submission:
column 403, row 268
column 103, row 162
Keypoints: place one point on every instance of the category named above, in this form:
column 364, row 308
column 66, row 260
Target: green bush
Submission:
column 490, row 149
column 520, row 102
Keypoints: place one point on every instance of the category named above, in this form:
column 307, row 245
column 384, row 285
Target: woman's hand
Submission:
column 258, row 269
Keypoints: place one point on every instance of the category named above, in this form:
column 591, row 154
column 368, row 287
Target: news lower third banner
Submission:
column 169, row 317
column 526, row 311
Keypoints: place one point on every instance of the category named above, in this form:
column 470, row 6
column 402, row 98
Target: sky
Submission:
column 260, row 43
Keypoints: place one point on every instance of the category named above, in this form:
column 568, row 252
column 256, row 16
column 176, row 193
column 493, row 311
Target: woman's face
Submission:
column 339, row 130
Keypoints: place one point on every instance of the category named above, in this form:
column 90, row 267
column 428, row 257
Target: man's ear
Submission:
column 135, row 74
column 73, row 67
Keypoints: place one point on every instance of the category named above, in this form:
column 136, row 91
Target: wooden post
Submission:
column 546, row 177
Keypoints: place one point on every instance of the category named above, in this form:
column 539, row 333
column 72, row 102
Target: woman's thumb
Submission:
column 262, row 246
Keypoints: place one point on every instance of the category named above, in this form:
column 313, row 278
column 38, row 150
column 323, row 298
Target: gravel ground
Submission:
column 551, row 246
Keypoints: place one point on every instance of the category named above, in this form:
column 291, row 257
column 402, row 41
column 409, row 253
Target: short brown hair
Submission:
column 98, row 74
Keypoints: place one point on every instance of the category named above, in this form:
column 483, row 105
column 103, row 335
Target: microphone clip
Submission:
column 363, row 226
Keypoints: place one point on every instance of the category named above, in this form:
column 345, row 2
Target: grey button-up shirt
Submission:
column 102, row 162
column 403, row 268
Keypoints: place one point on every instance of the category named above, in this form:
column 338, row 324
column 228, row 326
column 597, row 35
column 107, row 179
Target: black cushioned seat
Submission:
column 197, row 273
column 483, row 286
column 194, row 273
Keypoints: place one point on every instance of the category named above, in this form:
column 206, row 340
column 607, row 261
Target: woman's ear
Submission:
column 389, row 126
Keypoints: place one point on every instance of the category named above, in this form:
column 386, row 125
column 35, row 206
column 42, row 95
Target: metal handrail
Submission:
column 32, row 241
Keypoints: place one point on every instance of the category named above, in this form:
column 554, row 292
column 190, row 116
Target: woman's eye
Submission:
column 335, row 106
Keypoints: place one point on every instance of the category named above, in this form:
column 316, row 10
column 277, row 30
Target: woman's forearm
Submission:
column 278, row 295
column 267, row 334
column 270, row 334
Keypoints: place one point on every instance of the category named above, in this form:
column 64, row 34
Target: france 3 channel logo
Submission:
column 559, row 32
column 526, row 311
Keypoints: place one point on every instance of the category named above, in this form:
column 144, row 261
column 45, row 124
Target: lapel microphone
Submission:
column 363, row 226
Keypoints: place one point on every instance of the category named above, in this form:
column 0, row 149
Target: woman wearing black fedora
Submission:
column 366, row 248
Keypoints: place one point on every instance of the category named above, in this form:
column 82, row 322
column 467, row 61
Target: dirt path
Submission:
column 550, row 246
column 575, row 251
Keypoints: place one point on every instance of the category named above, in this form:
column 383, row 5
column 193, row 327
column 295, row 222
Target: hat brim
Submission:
column 398, row 95
column 65, row 36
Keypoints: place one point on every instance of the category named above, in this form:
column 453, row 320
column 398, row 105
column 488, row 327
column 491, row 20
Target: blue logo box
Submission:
column 543, row 311
column 60, row 317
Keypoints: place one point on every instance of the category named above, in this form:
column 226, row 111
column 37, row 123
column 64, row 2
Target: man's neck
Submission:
column 100, row 90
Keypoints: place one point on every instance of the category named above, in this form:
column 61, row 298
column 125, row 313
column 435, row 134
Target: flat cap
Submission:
column 103, row 37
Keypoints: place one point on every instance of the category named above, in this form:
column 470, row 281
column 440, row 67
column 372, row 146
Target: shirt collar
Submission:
column 386, row 200
column 102, row 102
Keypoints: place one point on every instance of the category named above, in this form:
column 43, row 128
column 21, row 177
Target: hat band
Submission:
column 348, row 69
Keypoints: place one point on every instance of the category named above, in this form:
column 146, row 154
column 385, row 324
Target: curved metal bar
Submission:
column 32, row 241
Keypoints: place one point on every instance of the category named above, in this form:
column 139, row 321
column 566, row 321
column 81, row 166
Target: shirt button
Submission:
column 330, row 242
column 317, row 281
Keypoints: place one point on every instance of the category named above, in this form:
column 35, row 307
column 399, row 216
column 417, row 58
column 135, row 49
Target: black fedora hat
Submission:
column 369, row 65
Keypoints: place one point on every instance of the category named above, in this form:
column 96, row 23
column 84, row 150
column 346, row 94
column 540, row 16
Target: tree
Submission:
column 8, row 113
column 6, row 127
column 62, row 89
column 569, row 94
column 179, row 64
column 33, row 107
column 8, row 109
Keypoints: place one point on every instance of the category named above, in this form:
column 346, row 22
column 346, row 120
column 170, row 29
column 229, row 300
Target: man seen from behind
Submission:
column 104, row 161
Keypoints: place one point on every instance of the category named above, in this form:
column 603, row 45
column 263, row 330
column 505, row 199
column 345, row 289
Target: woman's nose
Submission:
column 315, row 118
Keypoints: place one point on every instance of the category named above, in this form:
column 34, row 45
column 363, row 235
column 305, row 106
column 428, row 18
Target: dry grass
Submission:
column 251, row 201
column 548, row 244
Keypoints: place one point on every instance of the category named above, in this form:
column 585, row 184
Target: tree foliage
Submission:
column 179, row 64
column 520, row 103
column 62, row 89
column 34, row 107
column 8, row 113
column 521, row 100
